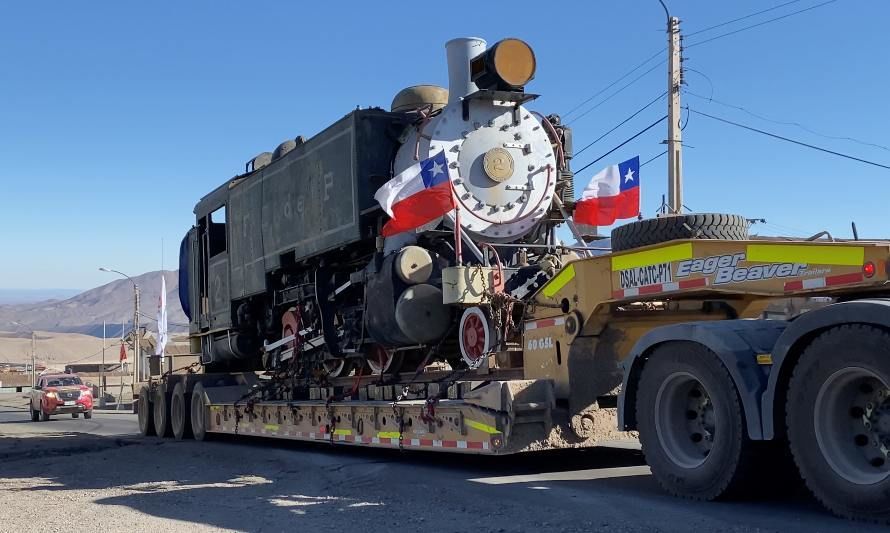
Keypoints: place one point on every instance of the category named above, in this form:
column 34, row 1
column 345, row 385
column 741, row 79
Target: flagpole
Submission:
column 569, row 221
column 457, row 237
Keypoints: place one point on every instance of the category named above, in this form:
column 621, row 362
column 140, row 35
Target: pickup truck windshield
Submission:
column 63, row 382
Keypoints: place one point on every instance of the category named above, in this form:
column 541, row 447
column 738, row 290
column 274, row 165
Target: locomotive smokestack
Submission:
column 460, row 51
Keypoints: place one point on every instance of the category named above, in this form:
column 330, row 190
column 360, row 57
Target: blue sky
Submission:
column 116, row 117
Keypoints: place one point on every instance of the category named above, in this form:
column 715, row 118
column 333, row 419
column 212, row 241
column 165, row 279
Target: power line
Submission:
column 798, row 124
column 614, row 83
column 647, row 128
column 839, row 154
column 623, row 122
column 606, row 99
column 154, row 319
column 715, row 26
column 722, row 35
column 93, row 355
column 652, row 159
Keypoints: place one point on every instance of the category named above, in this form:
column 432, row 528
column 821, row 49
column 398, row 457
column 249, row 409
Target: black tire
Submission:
column 44, row 416
column 180, row 412
column 145, row 412
column 198, row 414
column 673, row 227
column 35, row 416
column 716, row 462
column 851, row 477
column 88, row 415
column 161, row 410
column 75, row 415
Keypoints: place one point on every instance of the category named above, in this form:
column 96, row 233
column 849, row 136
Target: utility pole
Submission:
column 33, row 358
column 102, row 370
column 137, row 369
column 675, row 135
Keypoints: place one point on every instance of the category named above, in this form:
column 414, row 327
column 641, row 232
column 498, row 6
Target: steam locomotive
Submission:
column 286, row 266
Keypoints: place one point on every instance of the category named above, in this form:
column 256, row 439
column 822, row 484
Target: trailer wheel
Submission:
column 144, row 412
column 691, row 423
column 838, row 417
column 180, row 413
column 673, row 227
column 161, row 411
column 198, row 413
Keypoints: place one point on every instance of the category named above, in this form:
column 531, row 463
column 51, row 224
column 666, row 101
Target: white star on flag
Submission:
column 629, row 176
column 436, row 169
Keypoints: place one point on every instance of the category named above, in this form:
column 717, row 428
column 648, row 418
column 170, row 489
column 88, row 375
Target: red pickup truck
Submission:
column 57, row 394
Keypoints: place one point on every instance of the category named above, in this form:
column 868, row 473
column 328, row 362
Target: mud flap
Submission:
column 594, row 371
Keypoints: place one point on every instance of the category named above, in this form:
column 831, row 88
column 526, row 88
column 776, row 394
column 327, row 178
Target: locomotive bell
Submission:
column 418, row 97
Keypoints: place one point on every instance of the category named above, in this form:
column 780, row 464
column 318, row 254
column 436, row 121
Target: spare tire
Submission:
column 673, row 227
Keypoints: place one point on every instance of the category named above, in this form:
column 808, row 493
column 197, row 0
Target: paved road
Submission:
column 77, row 472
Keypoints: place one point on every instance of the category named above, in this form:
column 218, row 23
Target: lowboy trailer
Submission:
column 660, row 342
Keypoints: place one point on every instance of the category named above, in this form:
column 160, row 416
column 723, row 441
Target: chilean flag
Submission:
column 418, row 195
column 612, row 194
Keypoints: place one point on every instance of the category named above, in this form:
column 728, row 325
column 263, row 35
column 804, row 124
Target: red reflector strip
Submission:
column 660, row 288
column 844, row 279
column 819, row 283
column 796, row 285
column 651, row 289
column 545, row 323
column 694, row 283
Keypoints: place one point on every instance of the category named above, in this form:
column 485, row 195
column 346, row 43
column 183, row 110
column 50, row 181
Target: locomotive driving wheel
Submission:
column 476, row 335
column 381, row 361
column 290, row 325
column 336, row 366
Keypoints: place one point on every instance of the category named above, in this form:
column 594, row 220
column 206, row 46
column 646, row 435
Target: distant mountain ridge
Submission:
column 112, row 302
column 24, row 296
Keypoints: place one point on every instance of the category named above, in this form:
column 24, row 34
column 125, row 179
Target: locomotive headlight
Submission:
column 508, row 65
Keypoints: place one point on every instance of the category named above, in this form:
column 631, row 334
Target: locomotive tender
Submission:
column 286, row 267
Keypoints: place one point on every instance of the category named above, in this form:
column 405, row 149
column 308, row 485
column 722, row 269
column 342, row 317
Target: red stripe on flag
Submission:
column 606, row 210
column 420, row 208
column 843, row 279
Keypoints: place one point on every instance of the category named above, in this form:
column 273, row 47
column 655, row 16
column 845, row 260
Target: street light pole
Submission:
column 137, row 337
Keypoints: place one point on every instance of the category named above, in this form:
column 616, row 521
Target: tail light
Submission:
column 869, row 269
